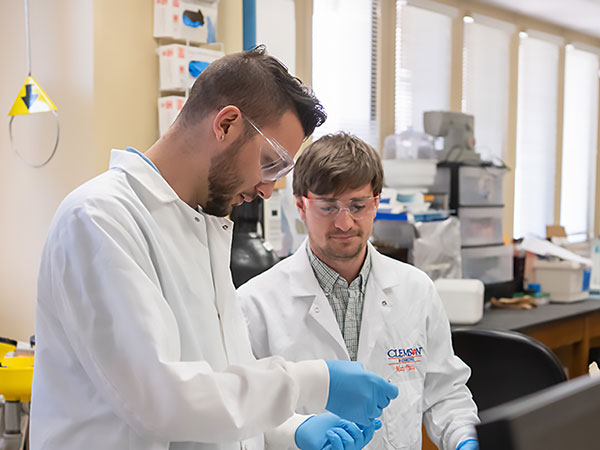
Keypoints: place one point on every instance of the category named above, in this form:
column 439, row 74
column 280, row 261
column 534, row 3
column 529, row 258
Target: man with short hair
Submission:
column 337, row 297
column 140, row 342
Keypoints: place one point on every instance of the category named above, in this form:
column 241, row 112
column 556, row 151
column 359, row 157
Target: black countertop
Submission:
column 521, row 319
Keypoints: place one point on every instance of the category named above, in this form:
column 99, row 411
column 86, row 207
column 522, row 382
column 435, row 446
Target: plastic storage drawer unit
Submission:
column 480, row 186
column 493, row 264
column 481, row 226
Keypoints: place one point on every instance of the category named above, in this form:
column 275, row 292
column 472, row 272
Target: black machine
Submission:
column 250, row 254
column 564, row 416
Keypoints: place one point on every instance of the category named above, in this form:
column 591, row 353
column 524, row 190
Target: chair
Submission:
column 505, row 365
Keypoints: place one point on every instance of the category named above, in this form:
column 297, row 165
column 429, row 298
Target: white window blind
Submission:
column 345, row 66
column 536, row 137
column 485, row 84
column 423, row 52
column 579, row 143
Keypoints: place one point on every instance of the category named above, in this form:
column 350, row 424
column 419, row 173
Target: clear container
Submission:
column 492, row 264
column 409, row 145
column 481, row 226
column 409, row 173
column 480, row 185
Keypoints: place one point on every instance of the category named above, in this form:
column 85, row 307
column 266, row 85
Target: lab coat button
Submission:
column 225, row 227
column 316, row 309
column 383, row 303
column 197, row 219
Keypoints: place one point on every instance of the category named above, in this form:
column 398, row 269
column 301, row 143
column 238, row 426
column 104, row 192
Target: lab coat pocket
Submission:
column 402, row 418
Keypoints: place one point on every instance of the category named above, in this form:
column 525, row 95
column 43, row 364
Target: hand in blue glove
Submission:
column 469, row 444
column 356, row 394
column 328, row 432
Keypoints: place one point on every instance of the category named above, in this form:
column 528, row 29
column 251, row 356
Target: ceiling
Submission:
column 579, row 15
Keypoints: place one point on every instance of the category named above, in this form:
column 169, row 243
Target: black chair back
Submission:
column 505, row 365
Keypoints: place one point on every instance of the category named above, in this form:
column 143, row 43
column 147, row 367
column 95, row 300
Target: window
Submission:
column 536, row 135
column 345, row 66
column 423, row 39
column 580, row 135
column 486, row 61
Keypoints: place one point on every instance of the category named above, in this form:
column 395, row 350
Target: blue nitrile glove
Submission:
column 356, row 394
column 468, row 444
column 327, row 431
column 370, row 430
column 338, row 438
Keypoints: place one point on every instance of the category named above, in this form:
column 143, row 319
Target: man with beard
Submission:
column 140, row 341
column 338, row 298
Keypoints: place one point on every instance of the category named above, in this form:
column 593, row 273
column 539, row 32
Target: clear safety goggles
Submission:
column 275, row 160
column 329, row 208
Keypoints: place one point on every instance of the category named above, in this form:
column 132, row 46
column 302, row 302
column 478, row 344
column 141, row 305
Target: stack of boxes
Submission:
column 476, row 195
column 187, row 31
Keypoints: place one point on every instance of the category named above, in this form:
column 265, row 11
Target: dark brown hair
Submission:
column 259, row 85
column 335, row 163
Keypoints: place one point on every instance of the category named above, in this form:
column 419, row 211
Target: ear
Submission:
column 301, row 207
column 227, row 124
column 376, row 206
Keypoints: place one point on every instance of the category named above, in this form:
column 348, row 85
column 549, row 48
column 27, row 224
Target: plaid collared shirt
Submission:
column 345, row 300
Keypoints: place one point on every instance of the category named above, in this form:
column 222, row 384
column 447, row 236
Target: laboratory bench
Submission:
column 569, row 329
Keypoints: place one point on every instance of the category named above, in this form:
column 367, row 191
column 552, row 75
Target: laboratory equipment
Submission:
column 16, row 375
column 565, row 281
column 457, row 129
column 31, row 99
column 559, row 417
column 250, row 253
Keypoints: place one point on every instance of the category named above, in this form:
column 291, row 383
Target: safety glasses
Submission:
column 329, row 208
column 275, row 160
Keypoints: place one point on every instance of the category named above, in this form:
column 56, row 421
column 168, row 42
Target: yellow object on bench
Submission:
column 16, row 375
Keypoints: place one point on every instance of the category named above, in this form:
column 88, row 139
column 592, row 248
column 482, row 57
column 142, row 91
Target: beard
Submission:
column 334, row 251
column 224, row 180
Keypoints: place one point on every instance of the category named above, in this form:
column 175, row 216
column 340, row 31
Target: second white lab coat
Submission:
column 404, row 337
column 140, row 342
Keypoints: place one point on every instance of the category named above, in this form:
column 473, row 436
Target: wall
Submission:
column 97, row 62
column 125, row 77
column 62, row 63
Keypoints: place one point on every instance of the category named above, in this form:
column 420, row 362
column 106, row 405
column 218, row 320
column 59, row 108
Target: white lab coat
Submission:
column 403, row 321
column 140, row 343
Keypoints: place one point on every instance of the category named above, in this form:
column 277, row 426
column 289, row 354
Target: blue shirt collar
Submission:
column 144, row 157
